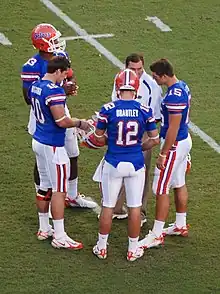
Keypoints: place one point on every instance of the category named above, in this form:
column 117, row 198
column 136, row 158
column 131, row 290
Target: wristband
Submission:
column 161, row 155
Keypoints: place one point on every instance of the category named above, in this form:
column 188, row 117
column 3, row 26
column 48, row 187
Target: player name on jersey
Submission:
column 36, row 90
column 127, row 113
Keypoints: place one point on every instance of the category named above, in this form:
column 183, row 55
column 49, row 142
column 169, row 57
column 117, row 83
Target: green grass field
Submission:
column 183, row 265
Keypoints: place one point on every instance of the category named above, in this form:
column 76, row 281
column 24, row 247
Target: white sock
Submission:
column 102, row 241
column 133, row 244
column 180, row 219
column 72, row 191
column 158, row 228
column 44, row 224
column 58, row 225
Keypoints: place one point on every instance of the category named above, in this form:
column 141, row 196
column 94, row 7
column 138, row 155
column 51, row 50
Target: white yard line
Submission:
column 4, row 40
column 97, row 36
column 159, row 24
column 114, row 60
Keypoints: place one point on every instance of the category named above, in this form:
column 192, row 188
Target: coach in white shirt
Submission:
column 149, row 94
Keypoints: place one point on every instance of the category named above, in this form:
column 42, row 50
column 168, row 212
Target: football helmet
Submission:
column 45, row 37
column 126, row 80
column 88, row 139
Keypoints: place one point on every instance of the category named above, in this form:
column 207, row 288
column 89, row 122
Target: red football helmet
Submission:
column 127, row 80
column 89, row 139
column 45, row 38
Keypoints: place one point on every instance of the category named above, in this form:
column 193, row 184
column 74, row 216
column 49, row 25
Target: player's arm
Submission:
column 153, row 136
column 174, row 124
column 29, row 74
column 25, row 95
column 63, row 121
column 56, row 102
column 100, row 131
column 70, row 85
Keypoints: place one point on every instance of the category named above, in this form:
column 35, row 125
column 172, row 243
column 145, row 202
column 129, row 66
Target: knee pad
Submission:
column 44, row 195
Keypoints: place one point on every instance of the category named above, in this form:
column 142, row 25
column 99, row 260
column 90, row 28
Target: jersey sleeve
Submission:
column 150, row 123
column 55, row 96
column 176, row 101
column 30, row 72
column 102, row 119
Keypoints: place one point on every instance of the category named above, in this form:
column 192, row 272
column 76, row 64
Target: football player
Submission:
column 46, row 39
column 149, row 94
column 171, row 163
column 124, row 122
column 48, row 104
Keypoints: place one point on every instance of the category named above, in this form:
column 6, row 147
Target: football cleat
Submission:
column 173, row 230
column 45, row 235
column 100, row 253
column 67, row 243
column 80, row 201
column 151, row 240
column 132, row 256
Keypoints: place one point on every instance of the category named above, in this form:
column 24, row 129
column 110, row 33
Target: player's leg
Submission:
column 58, row 170
column 120, row 210
column 179, row 227
column 111, row 186
column 36, row 176
column 43, row 193
column 134, row 186
column 147, row 160
column 161, row 185
column 74, row 199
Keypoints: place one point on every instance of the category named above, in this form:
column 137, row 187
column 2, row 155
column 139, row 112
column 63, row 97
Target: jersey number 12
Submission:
column 127, row 130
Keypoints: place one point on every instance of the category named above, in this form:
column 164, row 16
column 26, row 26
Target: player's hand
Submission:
column 71, row 88
column 85, row 126
column 160, row 163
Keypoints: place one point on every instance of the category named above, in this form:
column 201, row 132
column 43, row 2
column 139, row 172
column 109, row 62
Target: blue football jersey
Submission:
column 44, row 94
column 35, row 68
column 176, row 100
column 125, row 123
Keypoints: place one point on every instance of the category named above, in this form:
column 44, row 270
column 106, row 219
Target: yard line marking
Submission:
column 82, row 32
column 86, row 37
column 197, row 131
column 159, row 24
column 4, row 40
column 114, row 60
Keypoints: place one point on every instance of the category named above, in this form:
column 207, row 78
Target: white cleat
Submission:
column 173, row 230
column 132, row 256
column 67, row 243
column 80, row 201
column 151, row 240
column 100, row 253
column 45, row 235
